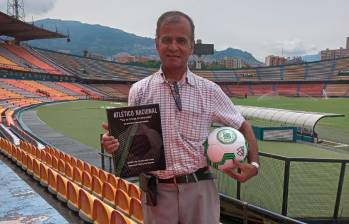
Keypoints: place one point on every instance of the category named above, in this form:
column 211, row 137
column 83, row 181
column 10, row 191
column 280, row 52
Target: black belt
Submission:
column 200, row 174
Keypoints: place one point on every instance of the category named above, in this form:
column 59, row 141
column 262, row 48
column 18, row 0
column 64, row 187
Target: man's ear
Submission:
column 192, row 46
column 157, row 43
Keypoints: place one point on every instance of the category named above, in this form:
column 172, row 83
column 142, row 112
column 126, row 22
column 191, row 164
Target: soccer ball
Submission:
column 223, row 146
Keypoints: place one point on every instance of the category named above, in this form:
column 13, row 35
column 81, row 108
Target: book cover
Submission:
column 139, row 132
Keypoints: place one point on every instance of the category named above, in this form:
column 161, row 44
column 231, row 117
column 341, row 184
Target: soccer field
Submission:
column 335, row 129
column 81, row 120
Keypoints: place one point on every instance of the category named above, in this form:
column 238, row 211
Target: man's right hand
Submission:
column 110, row 144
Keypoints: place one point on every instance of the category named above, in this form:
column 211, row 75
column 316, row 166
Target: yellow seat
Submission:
column 73, row 196
column 29, row 165
column 68, row 171
column 94, row 171
column 43, row 175
column 24, row 160
column 136, row 211
column 134, row 191
column 103, row 176
column 85, row 205
column 61, row 166
column 108, row 194
column 48, row 159
column 118, row 218
column 123, row 185
column 122, row 200
column 113, row 180
column 80, row 165
column 101, row 212
column 54, row 163
column 52, row 181
column 96, row 186
column 36, row 169
column 77, row 176
column 87, row 168
column 43, row 155
column 86, row 181
column 62, row 188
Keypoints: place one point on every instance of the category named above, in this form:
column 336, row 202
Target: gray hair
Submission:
column 173, row 17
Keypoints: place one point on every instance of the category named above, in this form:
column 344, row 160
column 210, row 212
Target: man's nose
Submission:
column 173, row 45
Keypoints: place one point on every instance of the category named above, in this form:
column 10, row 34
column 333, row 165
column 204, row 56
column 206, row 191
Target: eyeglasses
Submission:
column 175, row 93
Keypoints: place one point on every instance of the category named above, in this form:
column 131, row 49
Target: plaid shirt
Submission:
column 184, row 132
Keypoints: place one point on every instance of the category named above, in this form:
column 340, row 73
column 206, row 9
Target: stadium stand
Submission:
column 24, row 54
column 337, row 90
column 311, row 90
column 6, row 63
column 88, row 68
column 287, row 89
column 48, row 167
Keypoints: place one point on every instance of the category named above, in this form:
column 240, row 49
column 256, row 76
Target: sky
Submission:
column 261, row 27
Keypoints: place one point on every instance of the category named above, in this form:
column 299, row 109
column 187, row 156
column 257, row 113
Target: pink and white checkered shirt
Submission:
column 184, row 132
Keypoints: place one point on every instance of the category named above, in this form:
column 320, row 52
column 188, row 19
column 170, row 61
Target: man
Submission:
column 189, row 105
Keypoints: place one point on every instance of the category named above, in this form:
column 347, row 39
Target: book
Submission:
column 138, row 130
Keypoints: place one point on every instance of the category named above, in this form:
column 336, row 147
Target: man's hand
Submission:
column 110, row 144
column 247, row 171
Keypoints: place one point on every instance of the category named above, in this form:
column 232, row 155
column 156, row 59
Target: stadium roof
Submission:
column 23, row 31
column 301, row 119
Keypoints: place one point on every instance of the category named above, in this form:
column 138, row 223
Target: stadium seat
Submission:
column 108, row 193
column 73, row 162
column 48, row 159
column 24, row 160
column 61, row 166
column 29, row 165
column 87, row 168
column 94, row 171
column 43, row 175
column 103, row 176
column 54, row 163
column 86, row 205
column 123, row 185
column 42, row 155
column 62, row 188
column 118, row 218
column 68, row 171
column 73, row 196
column 122, row 200
column 86, row 181
column 134, row 191
column 101, row 213
column 96, row 186
column 36, row 169
column 77, row 176
column 80, row 164
column 52, row 181
column 136, row 211
column 19, row 157
column 113, row 180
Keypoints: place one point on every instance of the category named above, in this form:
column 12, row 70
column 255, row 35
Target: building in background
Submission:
column 273, row 60
column 336, row 53
column 232, row 63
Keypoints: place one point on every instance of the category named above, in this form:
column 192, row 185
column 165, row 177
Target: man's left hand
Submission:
column 247, row 171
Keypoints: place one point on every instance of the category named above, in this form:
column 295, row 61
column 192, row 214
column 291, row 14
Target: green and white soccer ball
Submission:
column 223, row 146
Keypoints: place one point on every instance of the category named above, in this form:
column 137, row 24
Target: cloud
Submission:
column 294, row 47
column 32, row 7
column 37, row 7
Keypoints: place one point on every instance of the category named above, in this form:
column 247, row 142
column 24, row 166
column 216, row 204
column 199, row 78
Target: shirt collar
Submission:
column 188, row 77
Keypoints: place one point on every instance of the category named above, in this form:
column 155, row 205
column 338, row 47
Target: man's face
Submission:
column 175, row 44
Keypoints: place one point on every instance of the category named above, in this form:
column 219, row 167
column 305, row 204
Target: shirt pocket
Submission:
column 193, row 124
